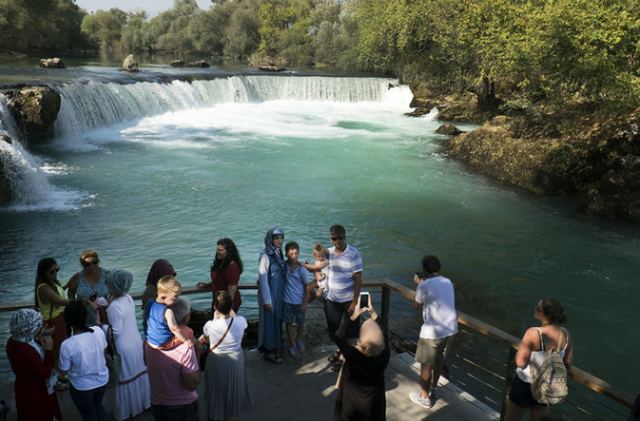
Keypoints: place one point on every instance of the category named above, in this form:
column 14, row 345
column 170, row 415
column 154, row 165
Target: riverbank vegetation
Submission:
column 511, row 53
column 566, row 73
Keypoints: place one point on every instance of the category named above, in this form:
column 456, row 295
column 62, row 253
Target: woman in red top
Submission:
column 32, row 360
column 225, row 272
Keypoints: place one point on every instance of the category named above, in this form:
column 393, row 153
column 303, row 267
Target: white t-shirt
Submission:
column 341, row 271
column 439, row 315
column 82, row 355
column 214, row 329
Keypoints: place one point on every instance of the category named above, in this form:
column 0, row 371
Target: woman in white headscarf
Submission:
column 271, row 281
column 32, row 360
column 132, row 395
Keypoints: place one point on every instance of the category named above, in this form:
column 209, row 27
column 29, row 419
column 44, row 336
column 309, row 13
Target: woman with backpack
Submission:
column 542, row 361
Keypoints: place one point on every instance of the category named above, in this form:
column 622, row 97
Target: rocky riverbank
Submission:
column 590, row 154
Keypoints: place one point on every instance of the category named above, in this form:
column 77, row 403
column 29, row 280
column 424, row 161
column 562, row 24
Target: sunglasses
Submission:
column 90, row 263
column 337, row 238
column 53, row 271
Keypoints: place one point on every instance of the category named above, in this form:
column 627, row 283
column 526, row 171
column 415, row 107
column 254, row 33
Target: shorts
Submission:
column 520, row 393
column 433, row 351
column 293, row 312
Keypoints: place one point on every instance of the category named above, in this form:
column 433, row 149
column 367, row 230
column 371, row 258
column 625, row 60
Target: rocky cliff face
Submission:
column 599, row 161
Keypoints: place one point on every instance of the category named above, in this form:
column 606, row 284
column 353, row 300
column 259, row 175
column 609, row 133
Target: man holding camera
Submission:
column 344, row 280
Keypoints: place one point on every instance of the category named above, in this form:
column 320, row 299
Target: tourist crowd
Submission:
column 84, row 337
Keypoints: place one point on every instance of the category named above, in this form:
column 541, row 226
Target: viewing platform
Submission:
column 303, row 388
column 480, row 370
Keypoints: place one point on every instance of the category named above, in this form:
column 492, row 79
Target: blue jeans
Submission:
column 89, row 403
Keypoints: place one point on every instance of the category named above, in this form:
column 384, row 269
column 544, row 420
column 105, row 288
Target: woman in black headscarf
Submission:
column 271, row 281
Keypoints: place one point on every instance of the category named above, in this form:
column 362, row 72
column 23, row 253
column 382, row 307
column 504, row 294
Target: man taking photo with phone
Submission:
column 344, row 280
column 435, row 295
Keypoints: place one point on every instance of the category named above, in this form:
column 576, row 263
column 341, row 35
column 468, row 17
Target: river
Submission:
column 141, row 168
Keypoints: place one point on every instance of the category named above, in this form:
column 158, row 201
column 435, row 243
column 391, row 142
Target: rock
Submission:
column 52, row 63
column 177, row 63
column 130, row 64
column 449, row 130
column 199, row 63
column 34, row 110
column 427, row 103
column 4, row 137
column 271, row 68
column 418, row 112
column 499, row 120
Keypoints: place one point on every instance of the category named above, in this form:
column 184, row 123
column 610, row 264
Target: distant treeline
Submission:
column 519, row 50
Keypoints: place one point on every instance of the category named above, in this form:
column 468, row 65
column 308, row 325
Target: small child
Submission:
column 319, row 269
column 162, row 329
column 296, row 291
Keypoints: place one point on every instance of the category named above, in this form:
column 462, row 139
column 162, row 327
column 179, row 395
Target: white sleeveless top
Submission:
column 537, row 357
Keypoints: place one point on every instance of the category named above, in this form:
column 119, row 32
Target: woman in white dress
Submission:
column 225, row 379
column 132, row 395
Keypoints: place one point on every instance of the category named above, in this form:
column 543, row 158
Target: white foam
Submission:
column 432, row 115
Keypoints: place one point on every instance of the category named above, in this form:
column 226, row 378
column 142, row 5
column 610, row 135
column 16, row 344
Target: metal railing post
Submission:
column 384, row 308
column 508, row 379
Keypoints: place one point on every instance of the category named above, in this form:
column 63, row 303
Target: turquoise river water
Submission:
column 146, row 170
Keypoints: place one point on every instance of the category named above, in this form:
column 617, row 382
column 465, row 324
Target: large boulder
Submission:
column 52, row 63
column 35, row 110
column 130, row 64
column 449, row 130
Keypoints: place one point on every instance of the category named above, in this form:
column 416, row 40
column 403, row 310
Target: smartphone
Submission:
column 364, row 299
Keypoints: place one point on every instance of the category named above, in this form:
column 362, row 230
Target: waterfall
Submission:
column 20, row 169
column 25, row 175
column 88, row 105
column 93, row 104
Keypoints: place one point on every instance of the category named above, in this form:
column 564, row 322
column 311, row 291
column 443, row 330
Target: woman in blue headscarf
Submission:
column 271, row 281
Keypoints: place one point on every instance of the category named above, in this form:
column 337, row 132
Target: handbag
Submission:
column 113, row 360
column 205, row 354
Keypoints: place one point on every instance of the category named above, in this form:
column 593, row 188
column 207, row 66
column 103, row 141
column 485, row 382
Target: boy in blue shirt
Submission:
column 296, row 291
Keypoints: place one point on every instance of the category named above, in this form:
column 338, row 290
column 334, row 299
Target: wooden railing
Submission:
column 387, row 287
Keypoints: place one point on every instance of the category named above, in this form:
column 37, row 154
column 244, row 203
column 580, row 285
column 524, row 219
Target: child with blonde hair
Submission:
column 161, row 328
column 319, row 269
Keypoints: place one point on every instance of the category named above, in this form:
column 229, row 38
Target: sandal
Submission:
column 272, row 357
column 335, row 357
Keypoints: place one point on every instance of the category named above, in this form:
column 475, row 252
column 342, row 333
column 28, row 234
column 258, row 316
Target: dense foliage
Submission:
column 510, row 52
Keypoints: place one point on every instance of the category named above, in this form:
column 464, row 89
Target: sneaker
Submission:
column 300, row 346
column 417, row 398
column 293, row 351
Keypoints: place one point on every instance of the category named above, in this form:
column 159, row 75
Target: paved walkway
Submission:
column 303, row 389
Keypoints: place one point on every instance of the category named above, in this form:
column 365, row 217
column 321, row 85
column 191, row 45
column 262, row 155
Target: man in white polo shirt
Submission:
column 344, row 279
column 435, row 294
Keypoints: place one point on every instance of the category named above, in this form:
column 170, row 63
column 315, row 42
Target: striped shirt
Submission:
column 341, row 271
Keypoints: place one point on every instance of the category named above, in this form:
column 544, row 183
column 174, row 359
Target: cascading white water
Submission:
column 89, row 105
column 27, row 182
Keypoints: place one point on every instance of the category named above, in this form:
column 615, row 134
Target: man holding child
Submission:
column 344, row 281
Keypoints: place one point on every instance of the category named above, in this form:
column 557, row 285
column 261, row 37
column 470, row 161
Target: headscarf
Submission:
column 159, row 268
column 24, row 325
column 269, row 248
column 119, row 281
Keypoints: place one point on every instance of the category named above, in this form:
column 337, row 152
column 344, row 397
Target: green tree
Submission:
column 104, row 28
